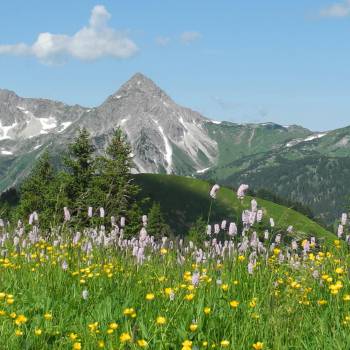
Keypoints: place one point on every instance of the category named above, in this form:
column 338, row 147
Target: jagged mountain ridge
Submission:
column 154, row 122
column 165, row 137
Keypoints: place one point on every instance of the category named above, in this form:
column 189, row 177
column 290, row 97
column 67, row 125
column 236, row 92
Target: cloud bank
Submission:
column 94, row 41
column 341, row 9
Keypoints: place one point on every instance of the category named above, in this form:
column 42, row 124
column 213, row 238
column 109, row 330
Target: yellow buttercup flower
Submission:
column 93, row 327
column 18, row 332
column 207, row 310
column 189, row 297
column 113, row 325
column 224, row 287
column 125, row 337
column 161, row 320
column 21, row 319
column 73, row 336
column 193, row 327
column 38, row 331
column 48, row 316
column 224, row 343
column 276, row 251
column 187, row 343
column 339, row 270
column 150, row 296
column 130, row 312
column 252, row 303
column 234, row 304
column 142, row 343
column 258, row 346
column 77, row 346
column 168, row 291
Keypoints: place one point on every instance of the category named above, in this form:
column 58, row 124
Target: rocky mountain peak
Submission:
column 139, row 86
column 6, row 95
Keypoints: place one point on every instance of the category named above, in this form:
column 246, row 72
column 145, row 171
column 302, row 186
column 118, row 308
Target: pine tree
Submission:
column 197, row 232
column 157, row 226
column 80, row 166
column 36, row 191
column 112, row 186
column 133, row 221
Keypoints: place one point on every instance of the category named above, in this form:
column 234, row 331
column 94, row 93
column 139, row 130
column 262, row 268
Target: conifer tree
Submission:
column 80, row 166
column 157, row 226
column 36, row 191
column 197, row 232
column 113, row 186
column 133, row 221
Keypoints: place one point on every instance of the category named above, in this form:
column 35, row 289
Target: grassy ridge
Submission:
column 184, row 199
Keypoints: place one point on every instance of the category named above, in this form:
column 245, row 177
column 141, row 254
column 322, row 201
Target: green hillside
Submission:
column 314, row 172
column 184, row 199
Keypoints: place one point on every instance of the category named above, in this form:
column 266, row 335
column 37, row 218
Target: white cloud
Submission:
column 189, row 37
column 162, row 40
column 97, row 40
column 341, row 9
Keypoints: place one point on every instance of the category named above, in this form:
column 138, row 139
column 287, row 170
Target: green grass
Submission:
column 184, row 199
column 281, row 306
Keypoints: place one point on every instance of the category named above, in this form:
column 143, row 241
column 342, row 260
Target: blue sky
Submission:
column 243, row 61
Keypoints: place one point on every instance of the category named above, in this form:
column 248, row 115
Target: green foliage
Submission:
column 197, row 232
column 80, row 168
column 39, row 192
column 87, row 180
column 133, row 221
column 157, row 226
column 184, row 199
column 8, row 201
column 112, row 186
column 279, row 305
column 297, row 206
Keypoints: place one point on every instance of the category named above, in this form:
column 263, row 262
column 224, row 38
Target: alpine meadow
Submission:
column 128, row 221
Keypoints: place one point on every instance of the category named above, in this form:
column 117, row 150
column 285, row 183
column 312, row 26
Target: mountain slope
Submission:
column 168, row 138
column 184, row 199
column 315, row 172
column 165, row 137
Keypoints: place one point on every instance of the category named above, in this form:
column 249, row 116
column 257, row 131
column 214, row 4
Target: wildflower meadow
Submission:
column 250, row 288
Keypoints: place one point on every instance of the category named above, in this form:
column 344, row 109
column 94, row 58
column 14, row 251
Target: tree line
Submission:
column 85, row 180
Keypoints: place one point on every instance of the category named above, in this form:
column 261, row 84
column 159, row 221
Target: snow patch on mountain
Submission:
column 195, row 140
column 4, row 130
column 202, row 171
column 168, row 149
column 6, row 153
column 48, row 123
column 308, row 139
column 64, row 126
column 315, row 136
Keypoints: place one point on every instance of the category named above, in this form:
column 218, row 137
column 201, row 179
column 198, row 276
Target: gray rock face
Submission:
column 164, row 136
column 26, row 124
column 160, row 131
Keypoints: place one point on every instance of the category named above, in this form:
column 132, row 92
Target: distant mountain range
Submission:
column 310, row 167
